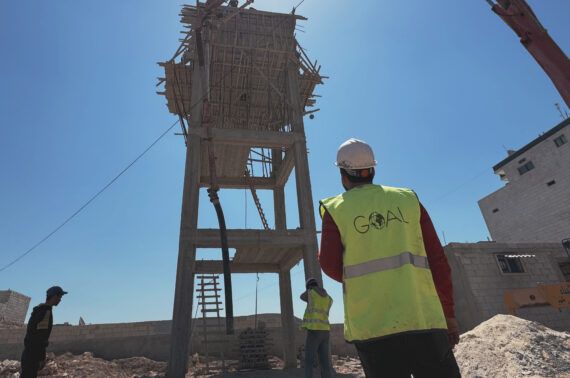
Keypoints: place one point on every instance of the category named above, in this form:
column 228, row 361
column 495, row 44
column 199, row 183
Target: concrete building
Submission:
column 534, row 205
column 13, row 307
column 481, row 273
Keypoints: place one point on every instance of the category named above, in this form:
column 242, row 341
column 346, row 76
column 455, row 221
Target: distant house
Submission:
column 13, row 307
column 534, row 205
column 483, row 271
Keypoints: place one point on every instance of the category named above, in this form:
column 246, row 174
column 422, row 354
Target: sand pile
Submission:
column 507, row 346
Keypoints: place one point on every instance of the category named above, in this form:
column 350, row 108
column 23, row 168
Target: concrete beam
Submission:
column 240, row 182
column 210, row 238
column 215, row 266
column 245, row 137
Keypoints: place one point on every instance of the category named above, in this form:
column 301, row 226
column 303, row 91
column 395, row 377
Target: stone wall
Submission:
column 13, row 307
column 152, row 339
column 479, row 283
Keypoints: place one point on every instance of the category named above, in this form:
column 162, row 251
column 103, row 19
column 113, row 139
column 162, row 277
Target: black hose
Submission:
column 213, row 194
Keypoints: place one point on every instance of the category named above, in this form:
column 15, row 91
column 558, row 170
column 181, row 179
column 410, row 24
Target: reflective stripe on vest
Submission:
column 385, row 263
column 316, row 321
column 387, row 284
column 317, row 312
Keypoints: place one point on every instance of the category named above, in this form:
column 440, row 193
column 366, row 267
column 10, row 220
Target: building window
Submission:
column 522, row 160
column 525, row 168
column 559, row 141
column 495, row 210
column 550, row 183
column 510, row 264
column 565, row 268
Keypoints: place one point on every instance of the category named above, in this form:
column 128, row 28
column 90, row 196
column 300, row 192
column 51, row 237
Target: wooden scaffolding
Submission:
column 241, row 84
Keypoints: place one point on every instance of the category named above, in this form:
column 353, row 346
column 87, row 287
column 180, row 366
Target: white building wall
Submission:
column 527, row 209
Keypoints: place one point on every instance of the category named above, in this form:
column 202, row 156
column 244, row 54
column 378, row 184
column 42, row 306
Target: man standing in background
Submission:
column 38, row 332
column 316, row 322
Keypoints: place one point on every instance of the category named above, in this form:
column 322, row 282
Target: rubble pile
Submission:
column 507, row 346
column 503, row 346
column 85, row 365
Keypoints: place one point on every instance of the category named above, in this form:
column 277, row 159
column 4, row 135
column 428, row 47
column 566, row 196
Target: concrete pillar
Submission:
column 287, row 320
column 302, row 177
column 184, row 290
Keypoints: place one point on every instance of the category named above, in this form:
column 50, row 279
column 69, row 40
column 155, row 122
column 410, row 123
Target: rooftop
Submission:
column 533, row 143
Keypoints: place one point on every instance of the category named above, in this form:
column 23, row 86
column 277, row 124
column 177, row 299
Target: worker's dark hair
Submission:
column 359, row 176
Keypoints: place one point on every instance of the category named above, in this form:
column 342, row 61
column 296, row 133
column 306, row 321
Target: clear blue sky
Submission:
column 438, row 89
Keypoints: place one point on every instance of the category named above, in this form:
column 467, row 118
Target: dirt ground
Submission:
column 85, row 365
column 503, row 346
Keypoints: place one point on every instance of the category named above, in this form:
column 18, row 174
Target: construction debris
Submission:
column 85, row 365
column 253, row 344
column 507, row 346
column 503, row 346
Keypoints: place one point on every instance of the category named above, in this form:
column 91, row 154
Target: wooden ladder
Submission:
column 209, row 300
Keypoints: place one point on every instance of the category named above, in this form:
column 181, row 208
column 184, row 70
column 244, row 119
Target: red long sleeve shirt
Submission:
column 330, row 258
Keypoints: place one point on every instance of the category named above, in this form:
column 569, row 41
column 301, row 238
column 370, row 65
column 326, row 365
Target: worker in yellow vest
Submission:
column 381, row 244
column 316, row 322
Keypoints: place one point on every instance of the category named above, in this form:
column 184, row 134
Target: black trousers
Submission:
column 30, row 362
column 423, row 354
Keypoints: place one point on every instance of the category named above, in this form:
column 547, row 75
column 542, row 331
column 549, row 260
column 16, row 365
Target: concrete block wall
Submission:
column 479, row 284
column 152, row 339
column 13, row 306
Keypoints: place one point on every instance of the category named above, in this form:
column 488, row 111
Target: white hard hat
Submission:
column 355, row 154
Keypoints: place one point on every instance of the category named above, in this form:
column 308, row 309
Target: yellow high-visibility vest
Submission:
column 388, row 286
column 317, row 312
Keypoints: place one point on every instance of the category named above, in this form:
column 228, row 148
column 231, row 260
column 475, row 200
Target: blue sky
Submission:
column 439, row 91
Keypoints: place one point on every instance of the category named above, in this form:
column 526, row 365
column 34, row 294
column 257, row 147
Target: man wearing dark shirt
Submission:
column 38, row 332
column 381, row 244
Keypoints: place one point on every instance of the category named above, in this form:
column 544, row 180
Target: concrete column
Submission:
column 279, row 194
column 287, row 320
column 182, row 312
column 302, row 177
column 184, row 290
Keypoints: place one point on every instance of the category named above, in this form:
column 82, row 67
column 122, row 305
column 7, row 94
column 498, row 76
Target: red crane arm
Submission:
column 534, row 37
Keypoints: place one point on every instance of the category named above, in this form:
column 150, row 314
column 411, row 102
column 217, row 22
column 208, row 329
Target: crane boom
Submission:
column 519, row 16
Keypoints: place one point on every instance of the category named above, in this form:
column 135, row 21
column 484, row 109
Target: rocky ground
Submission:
column 504, row 346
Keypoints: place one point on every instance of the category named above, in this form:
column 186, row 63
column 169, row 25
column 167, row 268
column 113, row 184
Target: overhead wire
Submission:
column 82, row 207
column 112, row 181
